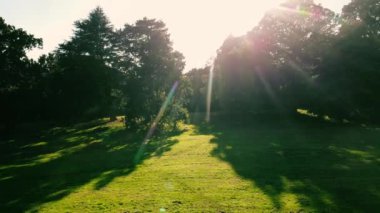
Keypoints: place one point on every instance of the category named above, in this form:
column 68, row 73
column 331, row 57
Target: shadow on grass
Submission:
column 328, row 167
column 34, row 172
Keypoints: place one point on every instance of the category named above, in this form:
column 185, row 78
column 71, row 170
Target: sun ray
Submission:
column 268, row 89
column 209, row 93
column 153, row 126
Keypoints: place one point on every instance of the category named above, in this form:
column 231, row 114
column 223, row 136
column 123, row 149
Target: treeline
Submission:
column 301, row 55
column 99, row 71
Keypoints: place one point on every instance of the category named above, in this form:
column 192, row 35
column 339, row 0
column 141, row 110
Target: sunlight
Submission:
column 153, row 126
column 297, row 10
column 212, row 24
column 277, row 109
column 208, row 22
column 268, row 89
column 209, row 93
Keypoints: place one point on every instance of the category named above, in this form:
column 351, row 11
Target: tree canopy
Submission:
column 300, row 55
column 18, row 74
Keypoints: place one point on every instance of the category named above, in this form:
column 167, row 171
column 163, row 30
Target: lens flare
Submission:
column 153, row 126
column 297, row 10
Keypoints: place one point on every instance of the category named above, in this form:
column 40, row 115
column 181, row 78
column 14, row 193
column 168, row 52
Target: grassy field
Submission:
column 260, row 166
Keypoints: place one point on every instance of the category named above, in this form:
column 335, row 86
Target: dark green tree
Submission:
column 198, row 83
column 92, row 37
column 18, row 74
column 273, row 66
column 150, row 67
column 85, row 80
column 350, row 73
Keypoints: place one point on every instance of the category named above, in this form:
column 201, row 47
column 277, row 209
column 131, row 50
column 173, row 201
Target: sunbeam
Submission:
column 268, row 89
column 209, row 93
column 153, row 126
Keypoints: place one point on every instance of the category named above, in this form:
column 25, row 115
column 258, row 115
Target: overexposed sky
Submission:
column 197, row 27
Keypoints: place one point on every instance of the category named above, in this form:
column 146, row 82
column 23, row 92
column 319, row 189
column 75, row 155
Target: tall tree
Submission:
column 151, row 67
column 17, row 73
column 350, row 75
column 13, row 60
column 92, row 37
column 85, row 78
column 272, row 67
column 198, row 82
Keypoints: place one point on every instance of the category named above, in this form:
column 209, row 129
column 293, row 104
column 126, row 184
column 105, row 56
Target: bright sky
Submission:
column 197, row 27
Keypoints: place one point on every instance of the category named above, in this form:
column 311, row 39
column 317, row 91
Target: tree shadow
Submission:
column 329, row 167
column 34, row 172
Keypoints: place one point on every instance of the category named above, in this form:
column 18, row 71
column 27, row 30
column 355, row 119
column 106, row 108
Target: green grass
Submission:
column 261, row 166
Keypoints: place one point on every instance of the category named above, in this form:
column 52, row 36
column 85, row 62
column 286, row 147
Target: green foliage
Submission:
column 85, row 84
column 19, row 76
column 176, row 112
column 302, row 55
column 265, row 69
column 150, row 66
column 82, row 83
column 92, row 37
column 198, row 85
column 349, row 75
column 14, row 43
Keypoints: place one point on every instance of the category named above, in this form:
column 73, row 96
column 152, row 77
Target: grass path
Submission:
column 257, row 167
column 186, row 178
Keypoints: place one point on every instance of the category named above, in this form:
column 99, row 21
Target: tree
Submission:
column 296, row 37
column 273, row 66
column 86, row 80
column 350, row 74
column 92, row 37
column 198, row 83
column 17, row 73
column 150, row 66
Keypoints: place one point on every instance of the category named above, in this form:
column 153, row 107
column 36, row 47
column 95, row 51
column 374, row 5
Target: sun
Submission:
column 202, row 26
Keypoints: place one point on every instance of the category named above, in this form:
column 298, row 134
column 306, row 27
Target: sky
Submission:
column 197, row 27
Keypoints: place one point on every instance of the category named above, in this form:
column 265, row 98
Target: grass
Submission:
column 269, row 165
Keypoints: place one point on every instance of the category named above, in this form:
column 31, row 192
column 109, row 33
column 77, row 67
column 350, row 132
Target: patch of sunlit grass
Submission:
column 264, row 167
column 307, row 113
column 41, row 143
